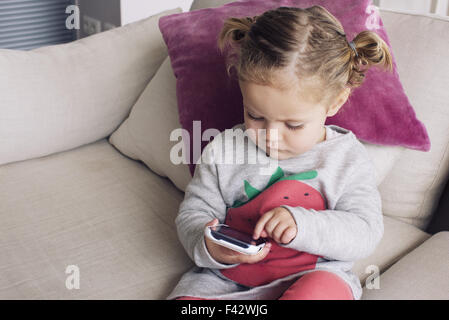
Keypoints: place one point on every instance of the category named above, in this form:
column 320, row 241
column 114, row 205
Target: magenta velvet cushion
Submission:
column 378, row 112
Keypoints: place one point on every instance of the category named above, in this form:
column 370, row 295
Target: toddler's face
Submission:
column 298, row 122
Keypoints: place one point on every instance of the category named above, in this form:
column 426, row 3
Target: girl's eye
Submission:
column 289, row 127
column 254, row 118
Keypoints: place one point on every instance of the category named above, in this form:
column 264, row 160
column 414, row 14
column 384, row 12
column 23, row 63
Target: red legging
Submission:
column 316, row 285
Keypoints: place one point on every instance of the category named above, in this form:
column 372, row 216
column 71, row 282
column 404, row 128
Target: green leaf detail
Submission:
column 238, row 203
column 302, row 176
column 251, row 192
column 278, row 174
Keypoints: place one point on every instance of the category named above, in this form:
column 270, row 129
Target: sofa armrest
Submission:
column 421, row 274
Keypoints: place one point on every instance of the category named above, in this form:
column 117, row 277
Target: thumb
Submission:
column 266, row 250
column 256, row 257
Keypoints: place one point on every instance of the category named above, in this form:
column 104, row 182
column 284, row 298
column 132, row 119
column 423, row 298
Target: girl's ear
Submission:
column 339, row 102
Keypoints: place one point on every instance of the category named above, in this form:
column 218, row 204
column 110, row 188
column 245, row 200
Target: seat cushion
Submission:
column 113, row 218
column 399, row 239
column 421, row 274
column 94, row 208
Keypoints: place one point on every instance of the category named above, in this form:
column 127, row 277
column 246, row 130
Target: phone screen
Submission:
column 235, row 234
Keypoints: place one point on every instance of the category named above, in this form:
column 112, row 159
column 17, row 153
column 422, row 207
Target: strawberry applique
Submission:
column 243, row 216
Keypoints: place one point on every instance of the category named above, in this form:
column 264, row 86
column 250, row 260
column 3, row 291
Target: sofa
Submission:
column 87, row 189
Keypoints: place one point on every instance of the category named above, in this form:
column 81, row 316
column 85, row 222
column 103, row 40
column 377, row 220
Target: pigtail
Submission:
column 371, row 50
column 232, row 34
column 234, row 31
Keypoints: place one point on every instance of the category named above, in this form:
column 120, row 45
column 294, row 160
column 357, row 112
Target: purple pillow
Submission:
column 377, row 112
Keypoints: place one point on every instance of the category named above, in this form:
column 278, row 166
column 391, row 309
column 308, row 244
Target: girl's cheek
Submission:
column 300, row 140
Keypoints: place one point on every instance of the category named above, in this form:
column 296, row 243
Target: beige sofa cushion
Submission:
column 113, row 218
column 399, row 239
column 59, row 97
column 93, row 208
column 412, row 189
column 145, row 134
column 422, row 274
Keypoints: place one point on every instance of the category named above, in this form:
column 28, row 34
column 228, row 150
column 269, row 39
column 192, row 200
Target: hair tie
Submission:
column 352, row 45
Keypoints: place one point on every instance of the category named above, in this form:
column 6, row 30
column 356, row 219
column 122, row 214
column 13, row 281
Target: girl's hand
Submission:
column 229, row 256
column 277, row 224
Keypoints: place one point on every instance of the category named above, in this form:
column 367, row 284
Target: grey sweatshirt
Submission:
column 330, row 191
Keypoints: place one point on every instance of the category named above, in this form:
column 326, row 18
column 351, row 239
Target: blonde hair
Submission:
column 311, row 41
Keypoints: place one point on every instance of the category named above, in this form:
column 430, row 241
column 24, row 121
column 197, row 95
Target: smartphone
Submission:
column 233, row 239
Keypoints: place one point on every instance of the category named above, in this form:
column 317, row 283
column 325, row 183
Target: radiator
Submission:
column 28, row 24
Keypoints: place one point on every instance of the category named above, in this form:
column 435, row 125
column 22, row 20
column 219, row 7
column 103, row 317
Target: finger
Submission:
column 289, row 234
column 271, row 225
column 278, row 231
column 212, row 222
column 261, row 224
column 265, row 251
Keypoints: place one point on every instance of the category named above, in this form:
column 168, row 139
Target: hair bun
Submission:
column 238, row 34
column 247, row 22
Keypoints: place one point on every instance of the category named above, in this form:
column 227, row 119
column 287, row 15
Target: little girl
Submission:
column 320, row 209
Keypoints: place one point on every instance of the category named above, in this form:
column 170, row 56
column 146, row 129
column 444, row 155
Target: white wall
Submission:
column 133, row 10
column 410, row 5
column 419, row 6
